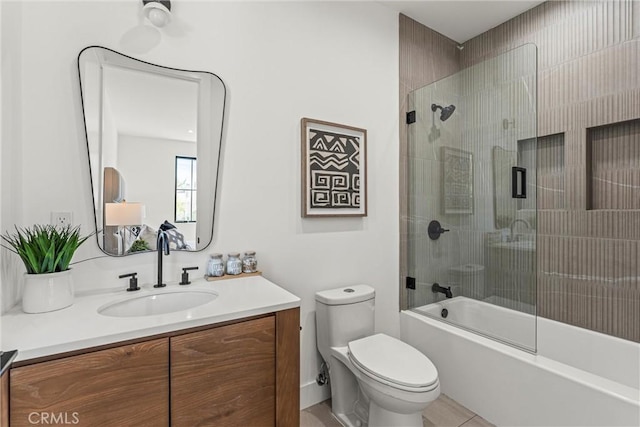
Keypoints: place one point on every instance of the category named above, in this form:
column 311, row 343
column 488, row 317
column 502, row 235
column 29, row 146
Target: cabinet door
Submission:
column 224, row 376
column 288, row 368
column 122, row 386
column 4, row 400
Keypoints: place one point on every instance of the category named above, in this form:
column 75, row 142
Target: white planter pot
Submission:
column 47, row 292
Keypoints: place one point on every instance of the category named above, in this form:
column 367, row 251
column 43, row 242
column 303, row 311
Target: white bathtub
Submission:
column 577, row 378
column 512, row 327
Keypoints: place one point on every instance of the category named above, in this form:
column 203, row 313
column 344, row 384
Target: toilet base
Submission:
column 348, row 403
column 380, row 417
column 356, row 416
column 350, row 420
column 354, row 396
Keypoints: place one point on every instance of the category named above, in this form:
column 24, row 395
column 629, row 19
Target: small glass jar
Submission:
column 249, row 262
column 234, row 264
column 215, row 267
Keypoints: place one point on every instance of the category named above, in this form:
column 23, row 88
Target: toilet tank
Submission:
column 343, row 315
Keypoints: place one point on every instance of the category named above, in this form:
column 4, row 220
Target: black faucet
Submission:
column 162, row 243
column 446, row 291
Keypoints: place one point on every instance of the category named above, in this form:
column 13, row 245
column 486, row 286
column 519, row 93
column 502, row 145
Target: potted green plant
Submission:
column 139, row 246
column 46, row 252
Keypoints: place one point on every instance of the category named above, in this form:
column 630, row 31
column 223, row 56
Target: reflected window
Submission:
column 186, row 189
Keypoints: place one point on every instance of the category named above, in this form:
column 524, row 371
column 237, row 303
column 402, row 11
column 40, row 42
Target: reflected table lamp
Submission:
column 123, row 215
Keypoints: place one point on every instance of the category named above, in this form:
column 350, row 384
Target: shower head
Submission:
column 446, row 111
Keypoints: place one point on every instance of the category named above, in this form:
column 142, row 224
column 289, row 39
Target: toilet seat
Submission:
column 392, row 362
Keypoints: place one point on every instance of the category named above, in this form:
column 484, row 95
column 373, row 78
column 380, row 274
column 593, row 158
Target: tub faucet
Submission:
column 162, row 243
column 441, row 289
column 512, row 227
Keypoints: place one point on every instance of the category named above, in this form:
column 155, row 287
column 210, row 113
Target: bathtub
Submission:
column 577, row 377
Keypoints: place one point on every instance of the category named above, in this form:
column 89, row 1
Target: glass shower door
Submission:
column 472, row 198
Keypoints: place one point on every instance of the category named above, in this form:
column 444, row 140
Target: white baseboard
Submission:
column 312, row 393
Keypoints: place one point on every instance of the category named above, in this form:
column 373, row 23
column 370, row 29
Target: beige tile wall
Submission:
column 550, row 171
column 425, row 57
column 588, row 77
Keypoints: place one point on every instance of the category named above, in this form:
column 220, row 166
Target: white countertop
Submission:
column 80, row 326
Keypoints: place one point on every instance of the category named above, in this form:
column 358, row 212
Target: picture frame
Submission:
column 334, row 169
column 457, row 181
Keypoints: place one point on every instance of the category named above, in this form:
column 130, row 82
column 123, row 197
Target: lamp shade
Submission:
column 124, row 213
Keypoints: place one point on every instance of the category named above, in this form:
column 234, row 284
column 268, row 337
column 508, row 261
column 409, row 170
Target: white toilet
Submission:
column 376, row 380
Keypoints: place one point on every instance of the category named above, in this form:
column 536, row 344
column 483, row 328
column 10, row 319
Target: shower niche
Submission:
column 550, row 171
column 613, row 166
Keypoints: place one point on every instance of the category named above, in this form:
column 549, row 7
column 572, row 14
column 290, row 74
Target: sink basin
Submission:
column 159, row 303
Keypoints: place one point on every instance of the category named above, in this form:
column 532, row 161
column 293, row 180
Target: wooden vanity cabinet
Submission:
column 127, row 385
column 4, row 399
column 241, row 373
column 224, row 376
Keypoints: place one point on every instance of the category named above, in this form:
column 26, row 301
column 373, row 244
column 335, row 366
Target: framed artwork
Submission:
column 334, row 169
column 457, row 181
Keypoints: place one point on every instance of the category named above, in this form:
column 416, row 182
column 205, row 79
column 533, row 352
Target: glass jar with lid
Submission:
column 249, row 262
column 215, row 267
column 234, row 264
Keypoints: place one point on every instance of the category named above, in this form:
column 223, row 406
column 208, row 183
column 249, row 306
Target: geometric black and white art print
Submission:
column 333, row 169
column 457, row 181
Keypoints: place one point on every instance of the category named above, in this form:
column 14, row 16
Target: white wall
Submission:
column 148, row 166
column 10, row 153
column 334, row 61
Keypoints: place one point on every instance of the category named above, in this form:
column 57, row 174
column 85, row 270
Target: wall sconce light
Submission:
column 157, row 11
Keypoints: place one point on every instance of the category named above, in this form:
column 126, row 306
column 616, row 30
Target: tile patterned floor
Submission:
column 444, row 412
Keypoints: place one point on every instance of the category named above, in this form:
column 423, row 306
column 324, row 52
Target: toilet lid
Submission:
column 393, row 360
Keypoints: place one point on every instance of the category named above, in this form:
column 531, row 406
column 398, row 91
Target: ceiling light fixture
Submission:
column 157, row 11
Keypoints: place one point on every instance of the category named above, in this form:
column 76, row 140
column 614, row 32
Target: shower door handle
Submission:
column 518, row 182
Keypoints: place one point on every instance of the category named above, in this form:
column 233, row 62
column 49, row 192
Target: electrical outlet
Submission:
column 61, row 218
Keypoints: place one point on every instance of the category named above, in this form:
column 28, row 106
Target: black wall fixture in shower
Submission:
column 434, row 230
column 446, row 111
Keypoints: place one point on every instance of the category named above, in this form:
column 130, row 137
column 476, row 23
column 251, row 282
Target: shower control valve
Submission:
column 435, row 230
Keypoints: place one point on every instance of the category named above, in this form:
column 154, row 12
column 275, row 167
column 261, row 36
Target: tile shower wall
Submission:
column 550, row 171
column 425, row 56
column 588, row 84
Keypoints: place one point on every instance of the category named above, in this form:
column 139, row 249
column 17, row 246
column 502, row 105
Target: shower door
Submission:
column 472, row 199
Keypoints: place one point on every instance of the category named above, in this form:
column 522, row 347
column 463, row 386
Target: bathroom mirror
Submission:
column 153, row 138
